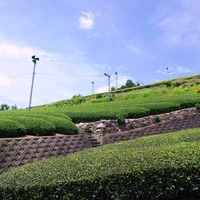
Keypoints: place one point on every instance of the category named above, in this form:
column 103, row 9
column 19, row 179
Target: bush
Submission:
column 155, row 167
column 62, row 126
column 188, row 103
column 161, row 107
column 34, row 126
column 157, row 119
column 10, row 128
column 92, row 115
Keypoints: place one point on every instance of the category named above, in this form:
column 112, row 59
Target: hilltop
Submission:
column 184, row 85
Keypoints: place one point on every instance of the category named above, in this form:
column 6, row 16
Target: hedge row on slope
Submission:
column 38, row 125
column 158, row 108
column 156, row 167
column 78, row 116
column 35, row 112
column 88, row 113
column 10, row 128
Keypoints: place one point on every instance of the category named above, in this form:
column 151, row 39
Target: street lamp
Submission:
column 92, row 87
column 116, row 80
column 108, row 85
column 167, row 68
column 34, row 59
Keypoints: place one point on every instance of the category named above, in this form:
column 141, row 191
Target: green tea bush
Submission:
column 157, row 167
column 188, row 103
column 34, row 126
column 11, row 128
column 34, row 112
column 91, row 115
column 161, row 107
column 62, row 126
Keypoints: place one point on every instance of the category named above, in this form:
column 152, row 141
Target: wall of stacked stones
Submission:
column 103, row 127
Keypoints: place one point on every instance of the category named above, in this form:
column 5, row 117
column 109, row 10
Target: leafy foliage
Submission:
column 47, row 122
column 156, row 167
column 34, row 126
column 11, row 128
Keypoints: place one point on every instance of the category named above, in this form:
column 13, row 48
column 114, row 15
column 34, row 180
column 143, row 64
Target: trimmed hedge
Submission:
column 92, row 115
column 34, row 126
column 35, row 112
column 11, row 128
column 63, row 126
column 156, row 167
column 161, row 107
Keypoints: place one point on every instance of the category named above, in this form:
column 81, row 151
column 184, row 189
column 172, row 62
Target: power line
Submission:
column 48, row 74
column 18, row 75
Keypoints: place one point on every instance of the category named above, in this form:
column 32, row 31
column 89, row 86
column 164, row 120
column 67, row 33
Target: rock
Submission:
column 111, row 126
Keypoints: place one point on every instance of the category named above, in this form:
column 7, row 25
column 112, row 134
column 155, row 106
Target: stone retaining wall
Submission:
column 186, row 122
column 103, row 127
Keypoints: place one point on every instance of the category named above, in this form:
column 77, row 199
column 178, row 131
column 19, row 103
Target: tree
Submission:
column 14, row 107
column 4, row 106
column 113, row 88
column 129, row 83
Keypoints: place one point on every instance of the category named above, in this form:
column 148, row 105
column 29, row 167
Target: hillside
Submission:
column 163, row 166
column 184, row 85
column 135, row 102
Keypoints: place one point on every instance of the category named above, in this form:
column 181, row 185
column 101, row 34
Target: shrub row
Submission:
column 33, row 126
column 10, row 128
column 91, row 114
column 121, row 109
column 160, row 107
column 155, row 167
column 39, row 125
column 94, row 115
column 35, row 112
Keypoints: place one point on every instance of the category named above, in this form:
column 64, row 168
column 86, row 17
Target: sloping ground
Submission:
column 186, row 122
column 19, row 151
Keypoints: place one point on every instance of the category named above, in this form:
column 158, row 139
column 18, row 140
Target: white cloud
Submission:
column 102, row 89
column 56, row 77
column 183, row 70
column 4, row 81
column 86, row 20
column 175, row 70
column 180, row 22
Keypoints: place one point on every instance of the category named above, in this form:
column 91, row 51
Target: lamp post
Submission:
column 116, row 80
column 34, row 59
column 92, row 87
column 167, row 68
column 108, row 85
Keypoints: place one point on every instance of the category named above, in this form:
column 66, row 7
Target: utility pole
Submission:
column 34, row 59
column 167, row 68
column 116, row 80
column 108, row 85
column 92, row 87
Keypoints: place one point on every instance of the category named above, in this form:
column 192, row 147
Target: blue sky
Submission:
column 78, row 41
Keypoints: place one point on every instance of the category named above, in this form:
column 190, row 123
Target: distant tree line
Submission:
column 5, row 106
column 129, row 83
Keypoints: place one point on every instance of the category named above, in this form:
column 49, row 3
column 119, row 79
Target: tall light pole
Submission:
column 34, row 59
column 116, row 80
column 92, row 87
column 108, row 85
column 167, row 68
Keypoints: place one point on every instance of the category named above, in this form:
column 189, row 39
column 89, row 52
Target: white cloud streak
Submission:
column 86, row 20
column 56, row 77
column 180, row 24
